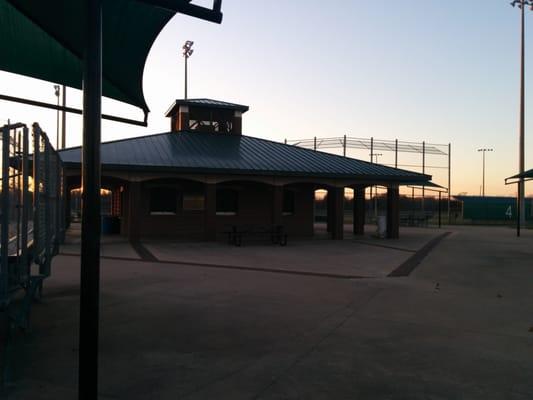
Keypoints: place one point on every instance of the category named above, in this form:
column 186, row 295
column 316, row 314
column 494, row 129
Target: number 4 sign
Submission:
column 509, row 212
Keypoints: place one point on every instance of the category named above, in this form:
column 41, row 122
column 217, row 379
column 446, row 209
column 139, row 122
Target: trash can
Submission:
column 107, row 225
column 381, row 226
column 110, row 225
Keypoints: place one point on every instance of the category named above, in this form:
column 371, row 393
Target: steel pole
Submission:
column 440, row 209
column 64, row 120
column 521, row 191
column 423, row 171
column 57, row 123
column 483, row 173
column 344, row 146
column 449, row 181
column 90, row 234
column 396, row 153
column 186, row 58
column 4, row 226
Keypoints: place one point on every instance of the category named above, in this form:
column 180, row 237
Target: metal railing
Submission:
column 31, row 222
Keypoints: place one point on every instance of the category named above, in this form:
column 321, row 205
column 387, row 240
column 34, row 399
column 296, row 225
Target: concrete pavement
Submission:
column 456, row 328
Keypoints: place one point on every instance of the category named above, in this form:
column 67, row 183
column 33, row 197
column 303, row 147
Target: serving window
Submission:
column 163, row 201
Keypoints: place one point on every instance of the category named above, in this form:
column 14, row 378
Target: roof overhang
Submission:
column 428, row 185
column 204, row 103
column 526, row 176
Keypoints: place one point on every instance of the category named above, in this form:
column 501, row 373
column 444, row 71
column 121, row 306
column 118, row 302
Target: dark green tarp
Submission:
column 44, row 39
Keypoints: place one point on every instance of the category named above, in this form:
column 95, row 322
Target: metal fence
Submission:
column 415, row 210
column 32, row 221
column 421, row 156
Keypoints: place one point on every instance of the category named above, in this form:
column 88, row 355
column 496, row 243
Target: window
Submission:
column 227, row 202
column 193, row 202
column 163, row 201
column 288, row 202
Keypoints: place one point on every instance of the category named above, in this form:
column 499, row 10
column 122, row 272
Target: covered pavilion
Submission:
column 204, row 175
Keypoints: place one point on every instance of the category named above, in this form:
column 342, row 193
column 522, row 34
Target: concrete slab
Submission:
column 456, row 328
column 111, row 245
column 365, row 256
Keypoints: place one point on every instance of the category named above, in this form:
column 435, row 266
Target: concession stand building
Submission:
column 205, row 175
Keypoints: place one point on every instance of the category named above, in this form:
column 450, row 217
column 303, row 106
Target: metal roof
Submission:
column 234, row 154
column 431, row 186
column 207, row 103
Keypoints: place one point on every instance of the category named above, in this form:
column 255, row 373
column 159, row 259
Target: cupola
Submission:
column 206, row 115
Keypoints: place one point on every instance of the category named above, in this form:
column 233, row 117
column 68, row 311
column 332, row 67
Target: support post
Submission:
column 423, row 171
column 4, row 251
column 44, row 268
column 359, row 210
column 337, row 217
column 449, row 182
column 396, row 153
column 37, row 197
column 26, row 200
column 329, row 210
column 67, row 204
column 277, row 205
column 134, row 205
column 210, row 226
column 440, row 209
column 344, row 146
column 64, row 120
column 393, row 213
column 90, row 228
column 518, row 216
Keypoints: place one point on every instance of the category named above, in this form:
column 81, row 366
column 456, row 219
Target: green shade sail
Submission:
column 44, row 40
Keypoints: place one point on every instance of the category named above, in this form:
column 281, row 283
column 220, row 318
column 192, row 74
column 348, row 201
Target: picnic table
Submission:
column 236, row 233
column 416, row 218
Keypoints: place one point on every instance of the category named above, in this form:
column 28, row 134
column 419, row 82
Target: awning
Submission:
column 431, row 186
column 527, row 175
column 44, row 40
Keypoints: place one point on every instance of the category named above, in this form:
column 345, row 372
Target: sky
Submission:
column 414, row 70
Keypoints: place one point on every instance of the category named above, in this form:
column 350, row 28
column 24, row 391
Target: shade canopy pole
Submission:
column 90, row 228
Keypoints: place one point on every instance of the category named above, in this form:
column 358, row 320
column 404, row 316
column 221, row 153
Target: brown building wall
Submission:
column 256, row 204
column 301, row 223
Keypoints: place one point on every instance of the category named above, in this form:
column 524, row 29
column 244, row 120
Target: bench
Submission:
column 276, row 233
column 415, row 218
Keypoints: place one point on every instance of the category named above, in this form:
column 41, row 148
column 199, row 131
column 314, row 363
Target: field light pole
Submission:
column 187, row 52
column 522, row 4
column 484, row 151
